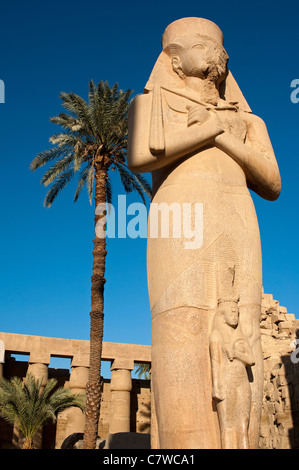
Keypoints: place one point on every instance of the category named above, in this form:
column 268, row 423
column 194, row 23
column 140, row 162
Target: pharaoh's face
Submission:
column 200, row 57
column 230, row 312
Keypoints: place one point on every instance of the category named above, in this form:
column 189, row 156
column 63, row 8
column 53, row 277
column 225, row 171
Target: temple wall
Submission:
column 124, row 400
column 280, row 415
column 280, row 418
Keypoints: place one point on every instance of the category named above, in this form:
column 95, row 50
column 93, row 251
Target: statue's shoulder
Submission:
column 140, row 103
column 252, row 119
column 141, row 98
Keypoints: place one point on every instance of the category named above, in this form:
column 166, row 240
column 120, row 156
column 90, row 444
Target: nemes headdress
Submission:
column 164, row 76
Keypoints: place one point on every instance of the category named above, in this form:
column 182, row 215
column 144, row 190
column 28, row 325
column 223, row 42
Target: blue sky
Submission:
column 49, row 47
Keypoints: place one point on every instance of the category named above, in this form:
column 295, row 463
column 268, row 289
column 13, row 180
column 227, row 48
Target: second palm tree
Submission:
column 93, row 141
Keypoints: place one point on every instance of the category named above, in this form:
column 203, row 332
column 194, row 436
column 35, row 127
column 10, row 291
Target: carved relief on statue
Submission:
column 230, row 355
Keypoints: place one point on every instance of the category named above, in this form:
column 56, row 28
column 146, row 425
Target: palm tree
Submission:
column 143, row 370
column 93, row 142
column 30, row 405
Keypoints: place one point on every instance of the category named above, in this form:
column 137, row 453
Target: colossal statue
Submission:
column 194, row 131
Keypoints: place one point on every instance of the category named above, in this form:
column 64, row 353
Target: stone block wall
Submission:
column 280, row 416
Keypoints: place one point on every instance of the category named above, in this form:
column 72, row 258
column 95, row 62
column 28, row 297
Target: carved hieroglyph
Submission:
column 193, row 129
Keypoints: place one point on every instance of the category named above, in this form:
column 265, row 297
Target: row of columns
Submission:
column 120, row 386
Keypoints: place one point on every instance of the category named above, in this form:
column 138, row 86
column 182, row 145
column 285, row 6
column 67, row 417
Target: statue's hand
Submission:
column 197, row 115
column 230, row 354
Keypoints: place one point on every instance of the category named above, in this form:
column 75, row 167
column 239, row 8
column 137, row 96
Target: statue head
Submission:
column 229, row 310
column 195, row 46
column 192, row 59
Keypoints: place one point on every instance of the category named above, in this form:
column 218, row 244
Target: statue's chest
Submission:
column 232, row 123
column 175, row 115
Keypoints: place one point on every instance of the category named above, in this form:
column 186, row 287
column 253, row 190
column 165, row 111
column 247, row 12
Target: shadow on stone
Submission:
column 75, row 441
column 127, row 440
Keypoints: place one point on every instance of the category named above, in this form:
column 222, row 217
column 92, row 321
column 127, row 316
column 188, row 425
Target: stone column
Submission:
column 38, row 366
column 77, row 383
column 39, row 370
column 121, row 386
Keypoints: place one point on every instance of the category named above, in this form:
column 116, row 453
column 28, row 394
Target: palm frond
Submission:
column 144, row 184
column 59, row 167
column 58, row 185
column 133, row 181
column 67, row 122
column 46, row 156
column 78, row 106
column 93, row 132
column 143, row 370
column 62, row 399
column 82, row 181
column 90, row 183
column 108, row 191
column 64, row 139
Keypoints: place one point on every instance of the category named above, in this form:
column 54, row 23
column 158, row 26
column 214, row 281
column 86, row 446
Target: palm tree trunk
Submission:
column 28, row 443
column 93, row 388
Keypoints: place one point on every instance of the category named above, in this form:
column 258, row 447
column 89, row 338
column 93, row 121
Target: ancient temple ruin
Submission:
column 126, row 401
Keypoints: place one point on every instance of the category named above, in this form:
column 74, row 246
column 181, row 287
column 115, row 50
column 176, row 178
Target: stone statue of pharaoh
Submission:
column 194, row 131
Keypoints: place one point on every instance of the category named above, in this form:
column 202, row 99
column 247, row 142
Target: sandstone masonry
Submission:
column 280, row 417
